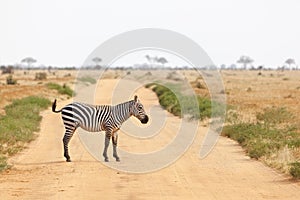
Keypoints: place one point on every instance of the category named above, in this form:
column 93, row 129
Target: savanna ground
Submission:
column 225, row 173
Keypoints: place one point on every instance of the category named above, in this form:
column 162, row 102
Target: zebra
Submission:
column 95, row 118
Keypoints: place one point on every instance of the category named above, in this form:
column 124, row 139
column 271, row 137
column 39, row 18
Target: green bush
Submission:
column 61, row 89
column 3, row 163
column 167, row 99
column 87, row 79
column 295, row 170
column 274, row 116
column 173, row 100
column 268, row 135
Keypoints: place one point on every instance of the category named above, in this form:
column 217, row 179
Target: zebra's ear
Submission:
column 135, row 98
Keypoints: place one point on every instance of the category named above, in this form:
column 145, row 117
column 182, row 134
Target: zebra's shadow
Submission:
column 55, row 162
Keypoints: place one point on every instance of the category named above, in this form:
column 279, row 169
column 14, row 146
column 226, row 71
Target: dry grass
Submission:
column 247, row 92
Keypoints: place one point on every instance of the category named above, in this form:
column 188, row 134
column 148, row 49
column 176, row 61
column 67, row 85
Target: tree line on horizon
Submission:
column 155, row 62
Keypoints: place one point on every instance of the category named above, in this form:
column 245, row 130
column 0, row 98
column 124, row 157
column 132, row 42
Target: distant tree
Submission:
column 156, row 60
column 148, row 58
column 212, row 67
column 162, row 60
column 223, row 66
column 290, row 62
column 232, row 66
column 245, row 60
column 29, row 61
column 151, row 60
column 7, row 70
column 97, row 60
column 260, row 67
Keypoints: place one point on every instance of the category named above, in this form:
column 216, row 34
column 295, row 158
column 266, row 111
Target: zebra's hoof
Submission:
column 118, row 159
column 68, row 160
column 106, row 160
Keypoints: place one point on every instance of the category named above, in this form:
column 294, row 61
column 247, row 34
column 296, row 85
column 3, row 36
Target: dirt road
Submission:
column 40, row 172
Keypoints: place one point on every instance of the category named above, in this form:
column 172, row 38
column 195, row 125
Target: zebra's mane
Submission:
column 109, row 105
column 127, row 102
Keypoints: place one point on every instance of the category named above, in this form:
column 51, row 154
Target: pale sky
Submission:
column 64, row 33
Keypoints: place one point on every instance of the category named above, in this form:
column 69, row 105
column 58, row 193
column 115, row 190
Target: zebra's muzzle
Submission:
column 145, row 119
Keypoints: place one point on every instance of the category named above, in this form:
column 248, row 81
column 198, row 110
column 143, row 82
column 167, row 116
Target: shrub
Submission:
column 295, row 170
column 268, row 135
column 174, row 76
column 61, row 89
column 167, row 99
column 274, row 116
column 170, row 98
column 40, row 76
column 7, row 70
column 87, row 79
column 3, row 164
column 198, row 84
column 10, row 80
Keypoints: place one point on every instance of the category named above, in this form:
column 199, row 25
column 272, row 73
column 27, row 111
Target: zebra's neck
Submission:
column 121, row 112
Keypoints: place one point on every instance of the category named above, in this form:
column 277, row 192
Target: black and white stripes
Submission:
column 96, row 118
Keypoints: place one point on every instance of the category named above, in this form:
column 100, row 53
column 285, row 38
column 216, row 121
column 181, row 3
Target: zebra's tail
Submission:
column 54, row 107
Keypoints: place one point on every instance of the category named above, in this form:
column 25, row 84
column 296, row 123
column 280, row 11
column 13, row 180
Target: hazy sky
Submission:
column 66, row 32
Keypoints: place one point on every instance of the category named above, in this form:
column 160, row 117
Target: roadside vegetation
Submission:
column 87, row 79
column 272, row 137
column 61, row 89
column 173, row 100
column 18, row 125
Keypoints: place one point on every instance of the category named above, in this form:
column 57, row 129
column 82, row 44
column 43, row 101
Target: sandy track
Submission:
column 40, row 172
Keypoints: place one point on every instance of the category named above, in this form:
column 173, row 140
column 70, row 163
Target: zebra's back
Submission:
column 89, row 117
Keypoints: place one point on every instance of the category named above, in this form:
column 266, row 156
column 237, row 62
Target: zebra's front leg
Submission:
column 115, row 143
column 106, row 144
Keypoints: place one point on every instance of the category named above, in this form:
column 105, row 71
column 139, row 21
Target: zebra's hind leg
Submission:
column 66, row 140
column 115, row 143
column 106, row 144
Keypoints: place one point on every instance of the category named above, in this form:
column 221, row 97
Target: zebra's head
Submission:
column 137, row 110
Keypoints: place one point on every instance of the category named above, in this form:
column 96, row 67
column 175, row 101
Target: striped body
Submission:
column 88, row 117
column 95, row 118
